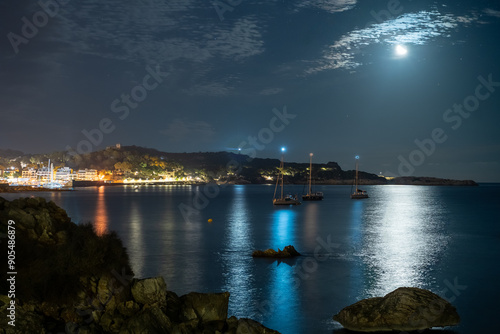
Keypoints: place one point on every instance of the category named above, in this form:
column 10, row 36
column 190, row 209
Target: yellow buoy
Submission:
column 210, row 220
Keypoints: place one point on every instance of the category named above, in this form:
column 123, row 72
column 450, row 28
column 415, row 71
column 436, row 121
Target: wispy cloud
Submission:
column 157, row 31
column 176, row 32
column 411, row 29
column 242, row 40
column 331, row 6
column 492, row 12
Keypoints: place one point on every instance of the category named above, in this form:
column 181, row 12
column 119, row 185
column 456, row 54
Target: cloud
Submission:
column 157, row 32
column 411, row 28
column 181, row 130
column 242, row 40
column 331, row 6
column 492, row 12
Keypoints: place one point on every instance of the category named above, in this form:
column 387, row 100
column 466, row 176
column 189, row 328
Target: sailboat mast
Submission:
column 282, row 171
column 357, row 174
column 310, row 172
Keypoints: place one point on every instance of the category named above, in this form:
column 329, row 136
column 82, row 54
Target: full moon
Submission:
column 401, row 50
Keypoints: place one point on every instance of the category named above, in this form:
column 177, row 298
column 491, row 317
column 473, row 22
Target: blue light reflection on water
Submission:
column 282, row 296
column 283, row 227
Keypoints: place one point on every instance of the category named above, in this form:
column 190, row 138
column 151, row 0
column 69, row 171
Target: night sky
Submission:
column 315, row 76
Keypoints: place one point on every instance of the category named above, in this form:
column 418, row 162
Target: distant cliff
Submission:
column 430, row 181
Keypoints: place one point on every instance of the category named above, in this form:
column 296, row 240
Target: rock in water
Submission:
column 288, row 251
column 404, row 309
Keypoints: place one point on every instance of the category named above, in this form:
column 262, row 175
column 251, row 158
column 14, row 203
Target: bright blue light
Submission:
column 357, row 157
column 239, row 148
column 283, row 149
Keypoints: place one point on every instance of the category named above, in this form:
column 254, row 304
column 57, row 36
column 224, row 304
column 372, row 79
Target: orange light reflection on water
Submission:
column 101, row 221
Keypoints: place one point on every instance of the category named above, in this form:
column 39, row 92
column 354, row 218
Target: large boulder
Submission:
column 404, row 309
column 204, row 306
column 249, row 326
column 150, row 290
column 149, row 321
column 287, row 252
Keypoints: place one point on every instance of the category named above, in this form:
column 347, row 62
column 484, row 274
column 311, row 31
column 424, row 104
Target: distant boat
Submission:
column 310, row 196
column 288, row 199
column 51, row 184
column 358, row 193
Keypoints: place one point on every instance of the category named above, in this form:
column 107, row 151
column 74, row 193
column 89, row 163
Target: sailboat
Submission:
column 288, row 199
column 358, row 193
column 310, row 196
column 52, row 184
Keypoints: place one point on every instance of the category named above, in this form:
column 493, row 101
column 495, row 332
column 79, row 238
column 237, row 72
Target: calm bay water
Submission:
column 445, row 239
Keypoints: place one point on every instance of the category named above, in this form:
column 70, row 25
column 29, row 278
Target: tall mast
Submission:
column 310, row 172
column 282, row 168
column 357, row 158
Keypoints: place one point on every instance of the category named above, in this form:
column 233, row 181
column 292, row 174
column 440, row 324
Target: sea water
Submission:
column 444, row 239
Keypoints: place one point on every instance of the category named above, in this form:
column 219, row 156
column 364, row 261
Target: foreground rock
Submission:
column 287, row 252
column 404, row 309
column 75, row 281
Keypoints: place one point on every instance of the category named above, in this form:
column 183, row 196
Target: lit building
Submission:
column 29, row 173
column 64, row 174
column 169, row 176
column 87, row 175
column 43, row 174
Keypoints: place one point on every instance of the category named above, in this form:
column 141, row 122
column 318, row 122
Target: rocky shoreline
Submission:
column 74, row 281
column 22, row 189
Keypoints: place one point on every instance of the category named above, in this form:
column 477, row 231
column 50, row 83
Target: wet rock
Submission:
column 187, row 327
column 249, row 326
column 128, row 308
column 204, row 306
column 287, row 252
column 404, row 309
column 150, row 291
column 173, row 308
column 149, row 321
column 111, row 321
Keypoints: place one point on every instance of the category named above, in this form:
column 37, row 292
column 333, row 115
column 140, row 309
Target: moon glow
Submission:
column 401, row 50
